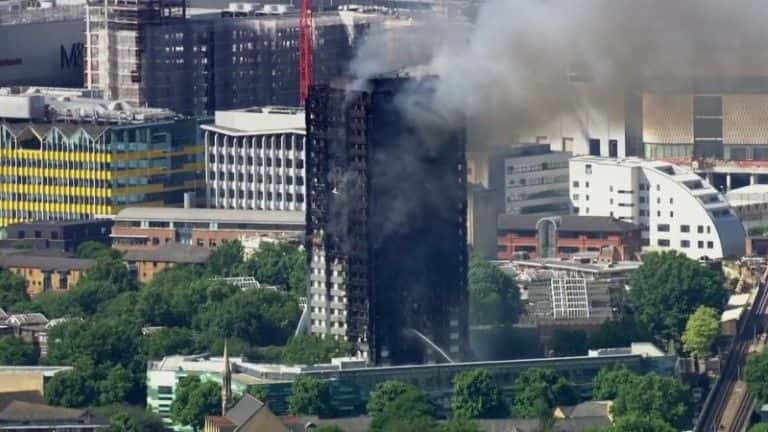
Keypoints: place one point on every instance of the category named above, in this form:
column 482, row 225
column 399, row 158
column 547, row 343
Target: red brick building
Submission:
column 565, row 235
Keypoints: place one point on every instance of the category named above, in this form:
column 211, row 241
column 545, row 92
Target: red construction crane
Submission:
column 305, row 50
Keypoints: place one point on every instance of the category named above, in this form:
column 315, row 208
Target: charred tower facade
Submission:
column 386, row 222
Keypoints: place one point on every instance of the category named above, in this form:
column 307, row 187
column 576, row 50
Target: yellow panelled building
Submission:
column 65, row 171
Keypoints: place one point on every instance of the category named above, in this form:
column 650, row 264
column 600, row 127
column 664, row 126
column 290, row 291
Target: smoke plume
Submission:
column 523, row 63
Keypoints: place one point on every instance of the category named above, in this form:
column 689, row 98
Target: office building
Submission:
column 534, row 180
column 42, row 46
column 386, row 223
column 69, row 154
column 139, row 228
column 61, row 236
column 164, row 54
column 254, row 159
column 676, row 209
column 561, row 236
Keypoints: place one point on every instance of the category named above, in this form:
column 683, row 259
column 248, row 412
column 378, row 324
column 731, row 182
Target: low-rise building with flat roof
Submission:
column 139, row 228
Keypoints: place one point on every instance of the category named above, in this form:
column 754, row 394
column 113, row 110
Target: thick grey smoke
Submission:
column 523, row 63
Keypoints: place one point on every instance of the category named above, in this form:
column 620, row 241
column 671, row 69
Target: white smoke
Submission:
column 523, row 63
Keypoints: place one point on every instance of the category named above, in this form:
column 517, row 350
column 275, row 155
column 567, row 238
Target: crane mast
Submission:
column 305, row 50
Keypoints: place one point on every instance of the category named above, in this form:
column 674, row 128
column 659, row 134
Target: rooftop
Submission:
column 752, row 194
column 571, row 265
column 173, row 253
column 45, row 263
column 164, row 214
column 567, row 223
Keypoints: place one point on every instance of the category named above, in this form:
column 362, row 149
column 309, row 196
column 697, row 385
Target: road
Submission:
column 729, row 405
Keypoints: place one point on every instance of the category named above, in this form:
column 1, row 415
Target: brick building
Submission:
column 64, row 236
column 141, row 228
column 565, row 235
column 45, row 273
column 147, row 263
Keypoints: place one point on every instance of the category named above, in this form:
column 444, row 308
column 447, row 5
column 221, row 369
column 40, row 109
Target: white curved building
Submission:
column 676, row 208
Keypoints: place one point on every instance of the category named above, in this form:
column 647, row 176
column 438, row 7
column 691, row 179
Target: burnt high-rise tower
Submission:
column 386, row 222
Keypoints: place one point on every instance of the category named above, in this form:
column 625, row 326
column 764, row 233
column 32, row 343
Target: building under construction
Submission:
column 386, row 222
column 160, row 53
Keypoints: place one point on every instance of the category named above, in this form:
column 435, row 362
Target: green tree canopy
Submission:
column 494, row 298
column 702, row 329
column 329, row 428
column 652, row 395
column 194, row 401
column 459, row 425
column 668, row 287
column 226, row 259
column 610, row 381
column 756, row 374
column 169, row 341
column 312, row 349
column 127, row 418
column 760, row 427
column 13, row 289
column 17, row 352
column 281, row 264
column 401, row 407
column 537, row 389
column 310, row 396
column 475, row 395
column 636, row 422
column 96, row 250
column 73, row 389
column 618, row 333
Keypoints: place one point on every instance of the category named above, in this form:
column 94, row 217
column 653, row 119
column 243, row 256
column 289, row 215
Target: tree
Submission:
column 96, row 250
column 636, row 422
column 760, row 427
column 539, row 389
column 281, row 264
column 13, row 289
column 16, row 352
column 702, row 329
column 566, row 342
column 610, row 380
column 618, row 333
column 476, row 396
column 653, row 395
column 226, row 259
column 194, row 401
column 668, row 287
column 72, row 388
column 169, row 341
column 329, row 428
column 756, row 373
column 401, row 408
column 110, row 270
column 116, row 387
column 259, row 317
column 312, row 349
column 386, row 393
column 310, row 396
column 494, row 297
column 126, row 418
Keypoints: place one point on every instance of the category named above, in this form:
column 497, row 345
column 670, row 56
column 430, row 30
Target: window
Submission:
column 588, row 170
column 575, row 183
column 610, row 188
column 611, row 201
column 685, row 228
column 671, row 214
column 708, row 229
column 642, row 200
column 586, row 197
column 685, row 243
column 700, row 244
column 663, row 242
column 575, row 197
column 662, row 228
column 700, row 229
column 586, row 184
column 710, row 245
